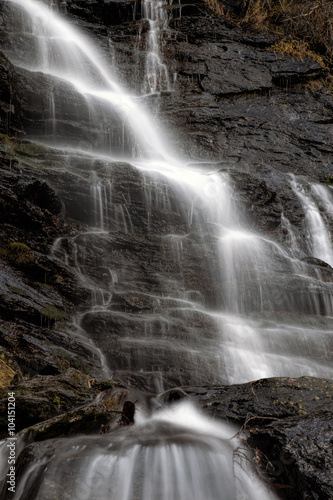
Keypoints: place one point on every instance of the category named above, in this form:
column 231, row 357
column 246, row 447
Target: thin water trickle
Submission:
column 319, row 231
column 156, row 74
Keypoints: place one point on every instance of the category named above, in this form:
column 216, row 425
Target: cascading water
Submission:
column 178, row 454
column 319, row 234
column 267, row 313
column 60, row 51
column 157, row 78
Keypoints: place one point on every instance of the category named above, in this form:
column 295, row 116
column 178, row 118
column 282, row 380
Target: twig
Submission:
column 250, row 417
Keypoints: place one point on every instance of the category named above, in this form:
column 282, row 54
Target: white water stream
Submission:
column 318, row 229
column 179, row 454
column 157, row 77
column 259, row 279
column 272, row 317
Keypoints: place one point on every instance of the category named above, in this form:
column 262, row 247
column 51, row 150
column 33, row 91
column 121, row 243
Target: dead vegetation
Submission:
column 305, row 25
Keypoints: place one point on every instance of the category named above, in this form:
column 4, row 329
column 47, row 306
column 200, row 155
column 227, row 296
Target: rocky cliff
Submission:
column 234, row 103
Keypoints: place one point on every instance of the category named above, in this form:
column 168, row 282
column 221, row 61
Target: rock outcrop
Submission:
column 288, row 424
column 246, row 111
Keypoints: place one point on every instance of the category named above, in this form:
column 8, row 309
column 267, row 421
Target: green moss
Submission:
column 43, row 285
column 329, row 180
column 7, row 140
column 58, row 401
column 104, row 385
column 29, row 152
column 3, row 58
column 64, row 361
column 18, row 254
column 18, row 291
column 30, row 149
column 10, row 154
column 3, row 253
column 80, row 364
column 53, row 313
column 111, row 404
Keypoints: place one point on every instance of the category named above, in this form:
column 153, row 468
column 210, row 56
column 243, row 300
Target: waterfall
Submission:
column 157, row 78
column 264, row 312
column 263, row 293
column 318, row 229
column 62, row 52
column 178, row 454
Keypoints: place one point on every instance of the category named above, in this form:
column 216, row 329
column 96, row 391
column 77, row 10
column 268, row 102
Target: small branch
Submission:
column 248, row 419
column 302, row 15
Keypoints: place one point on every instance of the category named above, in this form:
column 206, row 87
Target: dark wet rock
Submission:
column 41, row 293
column 153, row 348
column 288, row 424
column 247, row 114
column 220, row 106
column 276, row 397
column 71, row 404
column 104, row 12
column 234, row 100
column 316, row 262
column 299, row 451
column 88, row 419
column 38, row 293
column 262, row 206
column 241, row 113
column 30, row 312
column 41, row 194
column 42, row 398
column 9, row 100
column 133, row 302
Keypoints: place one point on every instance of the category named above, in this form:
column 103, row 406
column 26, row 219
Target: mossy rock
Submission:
column 87, row 419
column 52, row 312
column 17, row 291
column 64, row 360
column 6, row 139
column 44, row 397
column 30, row 149
column 19, row 254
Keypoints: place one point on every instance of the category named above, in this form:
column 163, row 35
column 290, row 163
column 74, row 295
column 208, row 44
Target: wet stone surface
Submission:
column 258, row 123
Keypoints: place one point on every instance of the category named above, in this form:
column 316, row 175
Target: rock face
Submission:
column 287, row 423
column 297, row 443
column 99, row 241
column 250, row 114
column 256, row 114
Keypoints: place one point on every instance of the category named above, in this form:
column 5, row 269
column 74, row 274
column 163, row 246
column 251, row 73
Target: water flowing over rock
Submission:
column 164, row 223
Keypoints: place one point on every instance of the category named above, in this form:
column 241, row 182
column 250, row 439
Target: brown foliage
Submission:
column 308, row 20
